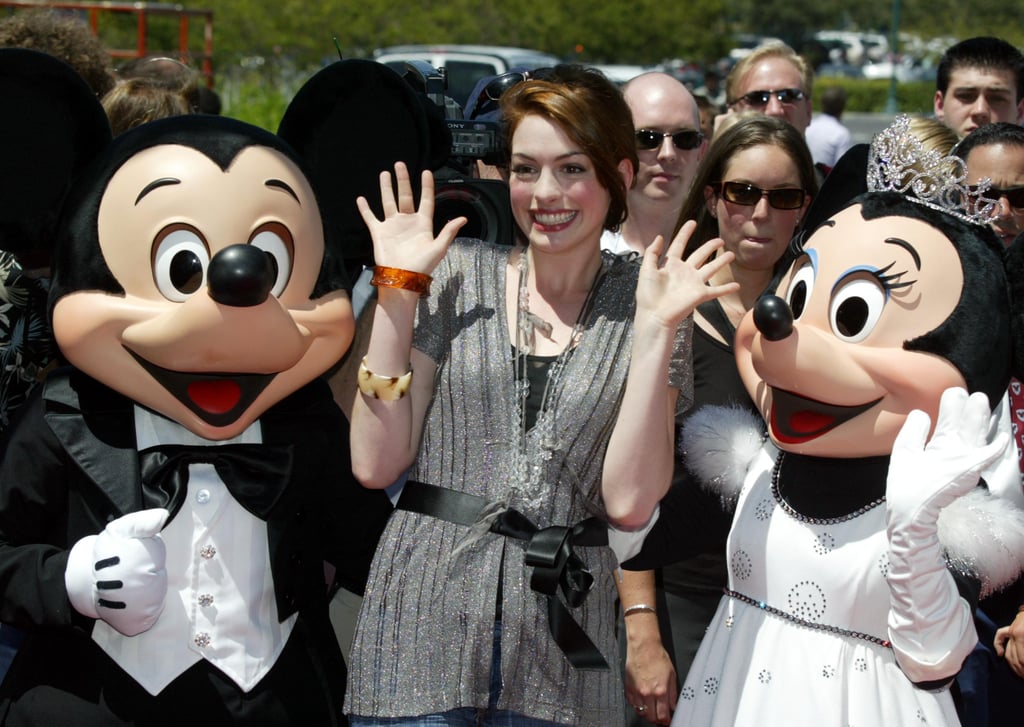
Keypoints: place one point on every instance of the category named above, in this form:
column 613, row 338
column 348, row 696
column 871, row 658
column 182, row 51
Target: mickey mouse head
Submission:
column 200, row 262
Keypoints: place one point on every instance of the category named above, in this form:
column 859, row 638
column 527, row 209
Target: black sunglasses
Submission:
column 1014, row 195
column 685, row 140
column 760, row 99
column 493, row 91
column 787, row 198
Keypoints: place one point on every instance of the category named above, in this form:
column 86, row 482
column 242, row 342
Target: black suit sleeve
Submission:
column 34, row 522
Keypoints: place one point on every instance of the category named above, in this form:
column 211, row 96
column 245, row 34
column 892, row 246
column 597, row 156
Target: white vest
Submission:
column 220, row 602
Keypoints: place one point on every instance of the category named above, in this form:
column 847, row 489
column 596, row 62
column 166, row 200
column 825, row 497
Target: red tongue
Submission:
column 215, row 397
column 808, row 422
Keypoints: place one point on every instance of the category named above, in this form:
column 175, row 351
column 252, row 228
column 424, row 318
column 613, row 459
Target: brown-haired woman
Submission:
column 517, row 393
column 751, row 189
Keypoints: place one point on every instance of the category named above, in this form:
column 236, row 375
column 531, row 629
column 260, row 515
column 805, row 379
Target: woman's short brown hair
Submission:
column 591, row 111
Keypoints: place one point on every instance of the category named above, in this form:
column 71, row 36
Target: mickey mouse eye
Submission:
column 800, row 287
column 275, row 240
column 180, row 263
column 856, row 307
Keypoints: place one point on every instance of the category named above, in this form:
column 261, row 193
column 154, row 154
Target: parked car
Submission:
column 906, row 70
column 839, row 70
column 465, row 64
column 619, row 73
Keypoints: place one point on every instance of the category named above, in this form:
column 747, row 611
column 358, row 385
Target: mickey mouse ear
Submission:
column 846, row 181
column 349, row 122
column 51, row 127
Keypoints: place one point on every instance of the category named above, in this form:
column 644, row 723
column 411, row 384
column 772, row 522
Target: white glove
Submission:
column 119, row 576
column 931, row 628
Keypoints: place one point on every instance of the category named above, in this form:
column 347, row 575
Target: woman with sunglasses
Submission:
column 751, row 189
column 516, row 385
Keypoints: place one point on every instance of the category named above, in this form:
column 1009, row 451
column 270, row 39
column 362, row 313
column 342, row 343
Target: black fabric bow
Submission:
column 555, row 565
column 255, row 474
column 548, row 551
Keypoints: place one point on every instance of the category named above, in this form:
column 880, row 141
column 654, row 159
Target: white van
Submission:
column 465, row 64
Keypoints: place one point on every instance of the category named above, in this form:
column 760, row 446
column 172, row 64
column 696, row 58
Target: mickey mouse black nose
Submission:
column 240, row 276
column 773, row 317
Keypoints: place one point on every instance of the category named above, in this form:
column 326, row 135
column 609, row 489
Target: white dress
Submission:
column 816, row 654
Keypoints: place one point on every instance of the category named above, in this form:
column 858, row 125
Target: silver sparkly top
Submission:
column 424, row 638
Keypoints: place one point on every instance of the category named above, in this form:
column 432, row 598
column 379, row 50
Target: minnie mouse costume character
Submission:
column 168, row 501
column 861, row 539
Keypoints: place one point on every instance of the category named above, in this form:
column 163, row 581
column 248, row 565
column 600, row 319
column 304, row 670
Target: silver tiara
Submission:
column 898, row 162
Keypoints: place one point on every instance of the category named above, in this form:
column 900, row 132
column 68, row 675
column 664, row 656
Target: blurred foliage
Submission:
column 263, row 49
column 251, row 100
column 913, row 97
column 273, row 46
column 641, row 31
column 302, row 32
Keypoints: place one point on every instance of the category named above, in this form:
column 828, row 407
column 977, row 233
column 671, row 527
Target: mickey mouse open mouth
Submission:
column 795, row 419
column 217, row 398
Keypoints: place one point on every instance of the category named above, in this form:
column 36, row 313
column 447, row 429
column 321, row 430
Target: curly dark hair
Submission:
column 64, row 37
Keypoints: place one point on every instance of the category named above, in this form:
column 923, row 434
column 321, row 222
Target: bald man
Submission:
column 669, row 146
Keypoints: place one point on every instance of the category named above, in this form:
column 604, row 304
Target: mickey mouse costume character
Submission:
column 860, row 540
column 167, row 503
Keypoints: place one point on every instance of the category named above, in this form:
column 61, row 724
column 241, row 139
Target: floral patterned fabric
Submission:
column 26, row 343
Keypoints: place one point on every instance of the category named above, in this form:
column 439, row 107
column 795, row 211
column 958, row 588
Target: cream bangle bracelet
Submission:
column 385, row 388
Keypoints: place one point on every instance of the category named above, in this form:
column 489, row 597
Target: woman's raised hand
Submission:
column 670, row 287
column 405, row 237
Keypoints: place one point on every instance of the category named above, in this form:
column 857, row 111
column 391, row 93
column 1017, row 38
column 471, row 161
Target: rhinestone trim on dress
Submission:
column 788, row 509
column 803, row 622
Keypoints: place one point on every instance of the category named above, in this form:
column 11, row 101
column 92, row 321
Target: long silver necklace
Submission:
column 529, row 466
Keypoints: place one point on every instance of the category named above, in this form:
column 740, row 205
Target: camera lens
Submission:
column 484, row 203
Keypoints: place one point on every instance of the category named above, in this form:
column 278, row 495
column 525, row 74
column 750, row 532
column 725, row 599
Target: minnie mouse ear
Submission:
column 51, row 127
column 846, row 181
column 349, row 122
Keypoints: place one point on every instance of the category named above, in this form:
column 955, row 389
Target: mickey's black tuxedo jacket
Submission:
column 71, row 466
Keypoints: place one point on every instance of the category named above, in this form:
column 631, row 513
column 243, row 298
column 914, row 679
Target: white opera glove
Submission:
column 931, row 628
column 120, row 575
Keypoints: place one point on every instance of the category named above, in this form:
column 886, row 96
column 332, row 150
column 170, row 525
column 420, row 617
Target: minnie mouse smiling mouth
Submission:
column 217, row 398
column 795, row 419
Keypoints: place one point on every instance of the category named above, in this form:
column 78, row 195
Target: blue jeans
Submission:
column 10, row 640
column 464, row 716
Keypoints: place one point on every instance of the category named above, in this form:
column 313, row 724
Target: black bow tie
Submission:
column 255, row 474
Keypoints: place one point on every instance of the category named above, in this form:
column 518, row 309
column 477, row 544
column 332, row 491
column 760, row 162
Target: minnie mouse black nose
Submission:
column 240, row 276
column 773, row 317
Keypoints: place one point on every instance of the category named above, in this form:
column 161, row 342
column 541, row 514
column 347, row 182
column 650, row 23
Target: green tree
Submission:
column 263, row 50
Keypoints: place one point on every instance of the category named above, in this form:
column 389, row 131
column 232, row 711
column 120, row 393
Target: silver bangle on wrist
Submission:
column 638, row 608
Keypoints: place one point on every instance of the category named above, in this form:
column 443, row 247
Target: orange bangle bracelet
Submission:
column 404, row 279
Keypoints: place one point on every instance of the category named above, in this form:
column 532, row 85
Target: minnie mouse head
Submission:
column 894, row 297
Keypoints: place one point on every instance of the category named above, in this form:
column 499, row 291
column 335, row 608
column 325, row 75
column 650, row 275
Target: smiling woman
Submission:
column 534, row 375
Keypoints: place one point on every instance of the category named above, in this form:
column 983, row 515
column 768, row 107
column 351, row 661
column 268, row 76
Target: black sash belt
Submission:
column 548, row 551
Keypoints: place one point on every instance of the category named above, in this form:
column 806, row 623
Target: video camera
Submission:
column 483, row 202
